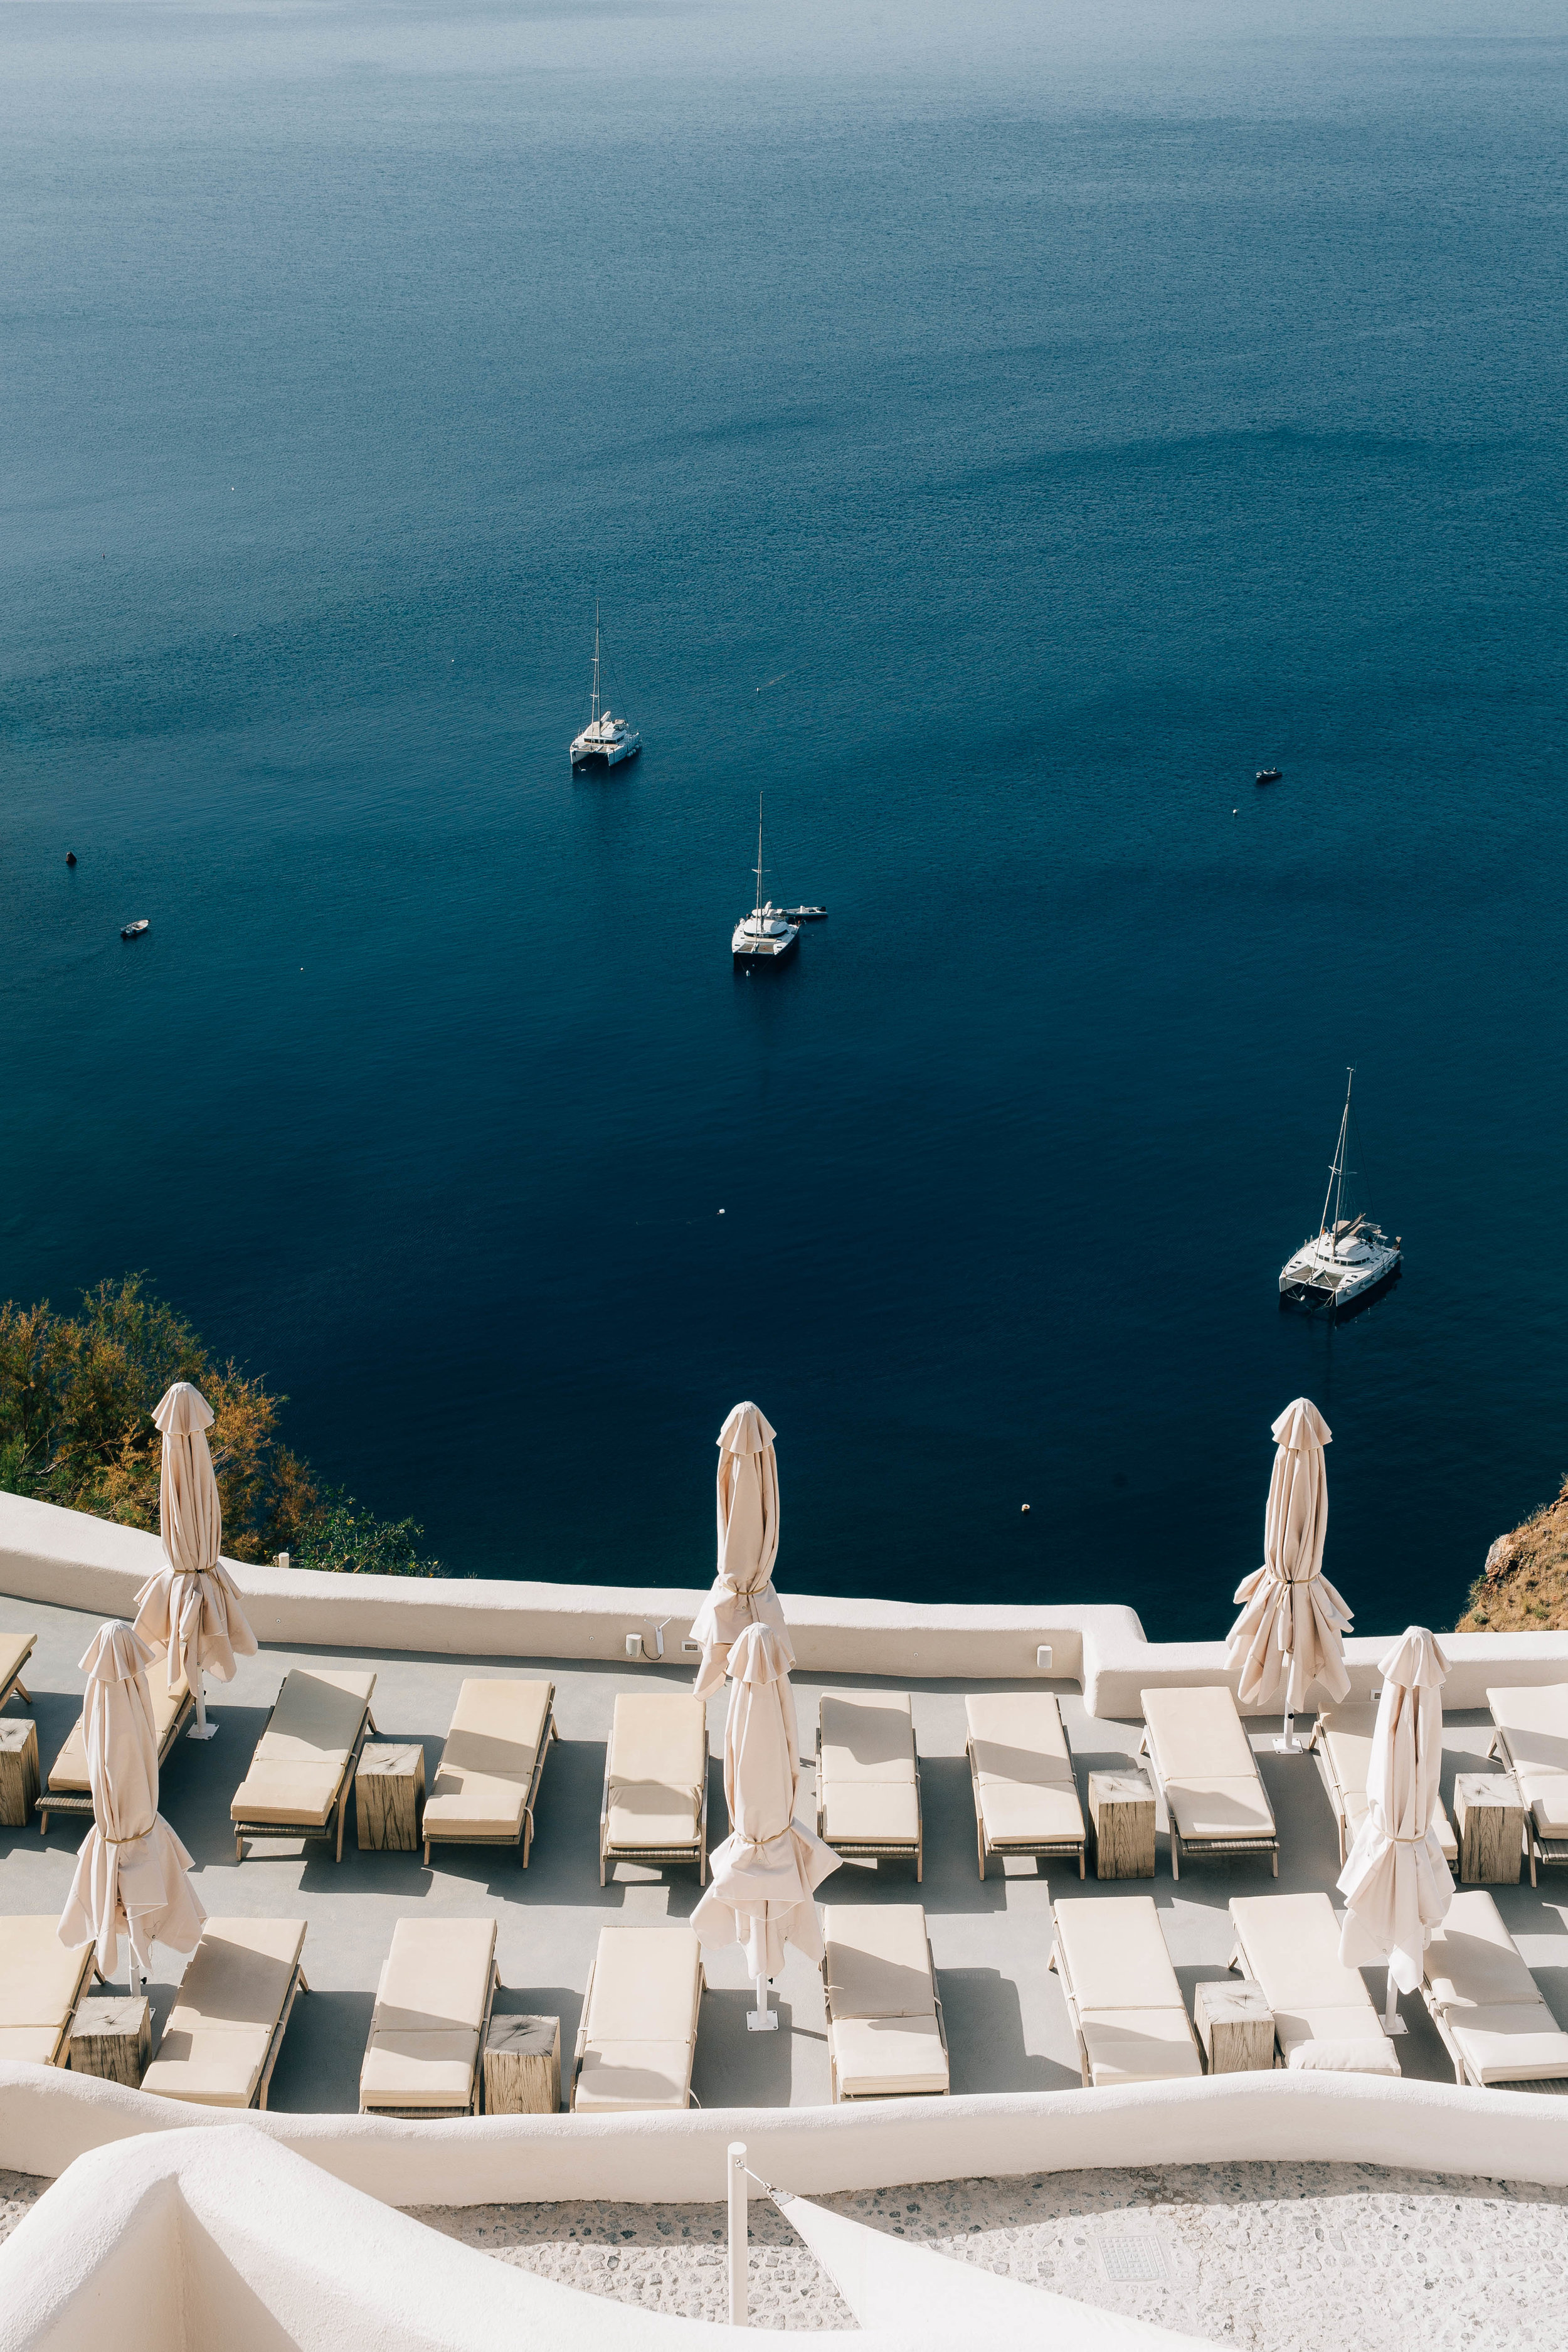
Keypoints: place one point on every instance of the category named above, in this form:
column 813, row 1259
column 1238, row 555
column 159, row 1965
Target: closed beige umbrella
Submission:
column 1396, row 1885
column 748, row 1500
column 766, row 1871
column 131, row 1871
column 190, row 1608
column 1291, row 1632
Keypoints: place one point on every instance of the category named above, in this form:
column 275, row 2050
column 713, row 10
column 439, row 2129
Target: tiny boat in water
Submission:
column 804, row 914
column 1348, row 1257
column 1269, row 776
column 604, row 738
column 134, row 930
column 766, row 933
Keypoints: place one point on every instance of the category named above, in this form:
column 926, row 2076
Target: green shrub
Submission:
column 77, row 1394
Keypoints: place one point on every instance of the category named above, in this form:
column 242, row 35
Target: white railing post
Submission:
column 737, row 2233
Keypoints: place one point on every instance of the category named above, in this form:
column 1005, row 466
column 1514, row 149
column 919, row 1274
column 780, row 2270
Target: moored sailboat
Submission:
column 1348, row 1257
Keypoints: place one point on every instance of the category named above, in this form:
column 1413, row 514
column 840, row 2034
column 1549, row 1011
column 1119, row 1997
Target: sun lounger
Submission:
column 40, row 1984
column 885, row 2035
column 67, row 1790
column 303, row 1767
column 1486, row 2004
column 1323, row 2018
column 1342, row 1744
column 16, row 1649
column 638, row 2034
column 868, row 1777
column 1122, row 1997
column 490, row 1770
column 226, row 2026
column 1531, row 1737
column 1204, row 1770
column 432, row 2012
column 655, row 1805
column 1020, row 1768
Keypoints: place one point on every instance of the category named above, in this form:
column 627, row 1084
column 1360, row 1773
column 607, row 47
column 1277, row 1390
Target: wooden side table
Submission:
column 18, row 1772
column 389, row 1797
column 1122, row 1807
column 1488, row 1814
column 522, row 2066
column 1236, row 2026
column 112, row 2038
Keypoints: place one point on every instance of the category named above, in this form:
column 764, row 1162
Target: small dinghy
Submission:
column 804, row 914
column 134, row 930
column 1269, row 776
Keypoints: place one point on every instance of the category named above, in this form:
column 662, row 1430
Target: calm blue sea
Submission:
column 995, row 443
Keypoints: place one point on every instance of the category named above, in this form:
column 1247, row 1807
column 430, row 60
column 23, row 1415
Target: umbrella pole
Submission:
column 763, row 2020
column 1391, row 2020
column 738, row 2230
column 202, row 1729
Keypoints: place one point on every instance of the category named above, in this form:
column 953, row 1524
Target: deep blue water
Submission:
column 996, row 445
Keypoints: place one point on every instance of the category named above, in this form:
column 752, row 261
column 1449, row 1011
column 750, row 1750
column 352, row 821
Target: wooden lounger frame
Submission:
column 1197, row 1849
column 297, row 1985
column 1537, row 1849
column 80, row 1800
column 1319, row 1748
column 579, row 2047
column 697, row 1851
column 849, row 2098
column 876, row 1850
column 1462, row 2074
column 1059, row 1961
column 476, row 2101
column 61, row 2052
column 523, row 1841
column 340, row 1804
column 1040, row 1848
column 13, row 1681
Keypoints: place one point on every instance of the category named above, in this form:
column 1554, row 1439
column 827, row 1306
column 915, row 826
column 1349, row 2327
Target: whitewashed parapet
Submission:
column 78, row 1562
column 49, row 2117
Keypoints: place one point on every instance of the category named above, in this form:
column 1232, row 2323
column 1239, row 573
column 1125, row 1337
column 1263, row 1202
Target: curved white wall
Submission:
column 48, row 2119
column 81, row 1562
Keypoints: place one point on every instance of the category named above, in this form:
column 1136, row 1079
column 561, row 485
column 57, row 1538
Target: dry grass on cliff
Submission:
column 1524, row 1586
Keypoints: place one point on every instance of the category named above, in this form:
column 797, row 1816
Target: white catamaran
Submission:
column 605, row 736
column 765, row 934
column 1348, row 1257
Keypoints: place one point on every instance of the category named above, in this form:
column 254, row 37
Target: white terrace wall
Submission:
column 49, row 2117
column 81, row 1562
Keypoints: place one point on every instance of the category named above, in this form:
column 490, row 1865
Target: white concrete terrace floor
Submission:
column 1007, row 2022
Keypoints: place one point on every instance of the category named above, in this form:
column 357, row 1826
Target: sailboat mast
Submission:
column 1336, row 1190
column 758, row 908
column 595, row 710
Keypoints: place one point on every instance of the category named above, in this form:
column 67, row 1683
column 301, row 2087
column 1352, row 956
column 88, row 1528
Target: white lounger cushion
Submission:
column 1131, row 2012
column 1534, row 1721
column 67, row 1774
column 656, row 1765
column 881, row 2001
column 1357, row 2056
column 1347, row 1734
column 1206, row 1764
column 868, row 1736
column 303, row 1755
column 226, row 2011
column 1023, row 1768
column 15, row 1651
column 430, row 2006
column 867, row 1768
column 1291, row 1945
column 492, row 1746
column 889, row 2057
column 1490, row 2001
column 640, row 2028
column 41, row 1980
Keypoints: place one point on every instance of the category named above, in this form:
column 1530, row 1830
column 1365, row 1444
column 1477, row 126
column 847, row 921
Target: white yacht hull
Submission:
column 1316, row 1277
column 608, row 755
column 748, row 950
